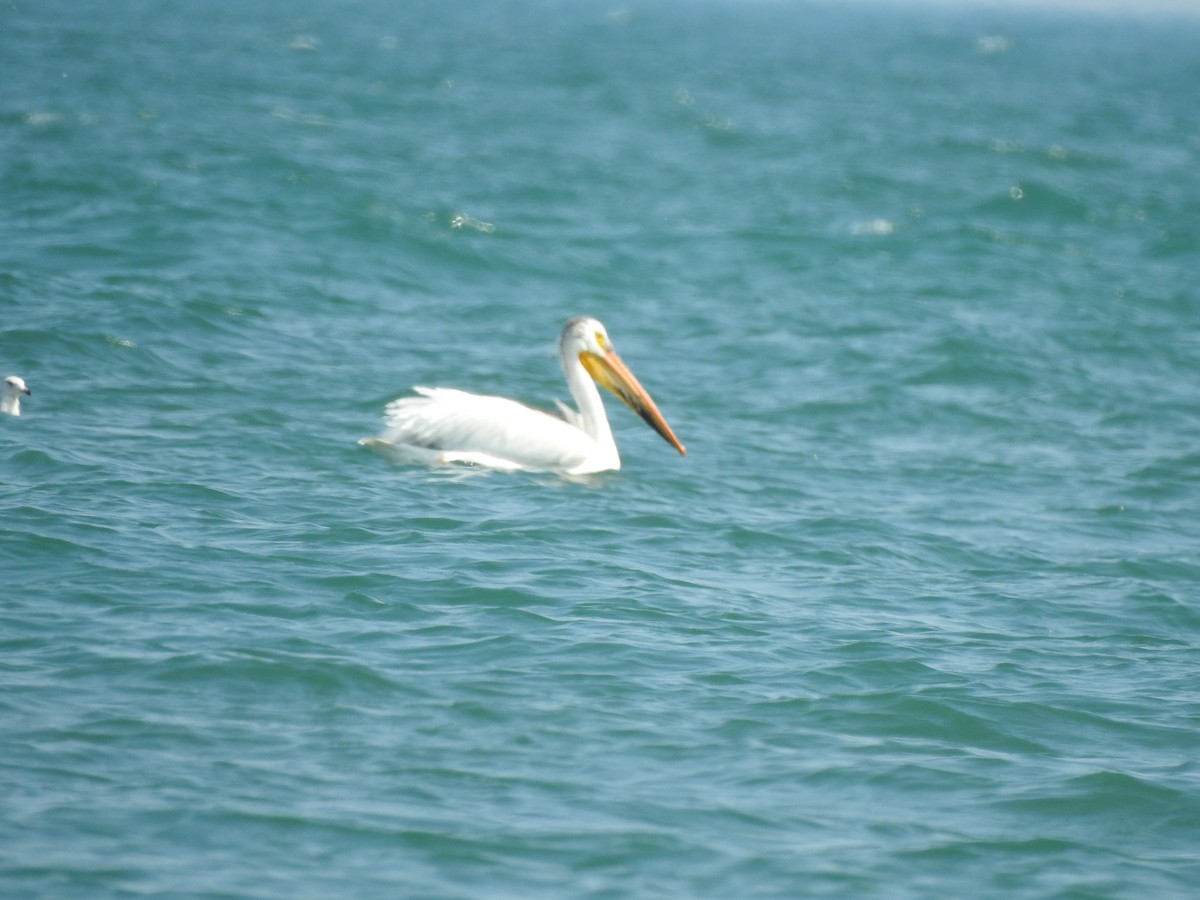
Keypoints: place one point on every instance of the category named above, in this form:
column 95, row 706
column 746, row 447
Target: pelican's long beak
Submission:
column 611, row 373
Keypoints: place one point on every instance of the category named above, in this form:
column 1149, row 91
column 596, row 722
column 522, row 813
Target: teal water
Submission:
column 917, row 616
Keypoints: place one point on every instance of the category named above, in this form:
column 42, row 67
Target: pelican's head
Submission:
column 10, row 396
column 586, row 339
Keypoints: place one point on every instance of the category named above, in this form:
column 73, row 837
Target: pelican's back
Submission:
column 443, row 425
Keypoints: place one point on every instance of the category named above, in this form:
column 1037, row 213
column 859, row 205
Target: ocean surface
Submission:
column 917, row 616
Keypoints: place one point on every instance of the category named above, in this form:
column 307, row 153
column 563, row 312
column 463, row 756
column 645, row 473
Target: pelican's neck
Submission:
column 592, row 416
column 11, row 403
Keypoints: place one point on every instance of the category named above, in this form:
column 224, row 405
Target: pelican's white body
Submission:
column 489, row 431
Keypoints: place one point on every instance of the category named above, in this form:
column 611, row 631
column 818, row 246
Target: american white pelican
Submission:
column 10, row 395
column 442, row 425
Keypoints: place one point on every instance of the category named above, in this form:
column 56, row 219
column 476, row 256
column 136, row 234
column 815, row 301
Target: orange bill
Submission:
column 611, row 373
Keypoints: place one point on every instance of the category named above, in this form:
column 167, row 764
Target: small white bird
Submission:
column 444, row 426
column 10, row 395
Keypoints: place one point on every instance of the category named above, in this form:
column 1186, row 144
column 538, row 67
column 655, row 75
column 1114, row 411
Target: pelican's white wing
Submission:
column 443, row 425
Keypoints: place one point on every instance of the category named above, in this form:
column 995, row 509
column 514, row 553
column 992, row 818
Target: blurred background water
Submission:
column 916, row 616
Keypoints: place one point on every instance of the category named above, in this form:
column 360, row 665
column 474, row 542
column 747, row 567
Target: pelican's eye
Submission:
column 602, row 341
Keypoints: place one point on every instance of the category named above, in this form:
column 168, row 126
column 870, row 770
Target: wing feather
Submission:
column 456, row 426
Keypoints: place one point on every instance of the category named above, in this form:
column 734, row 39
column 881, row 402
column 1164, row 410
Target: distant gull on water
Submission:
column 10, row 397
